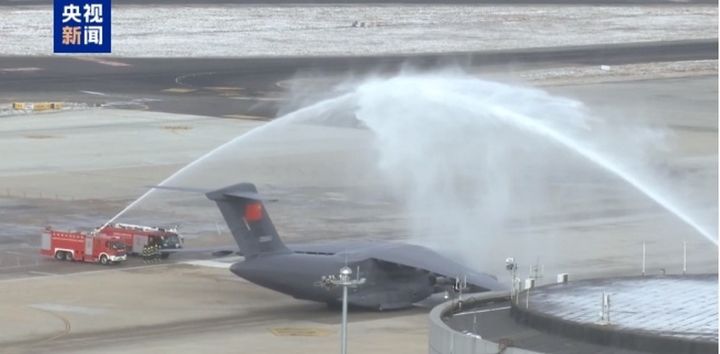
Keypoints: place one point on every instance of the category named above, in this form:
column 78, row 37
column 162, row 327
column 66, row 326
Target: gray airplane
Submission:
column 397, row 274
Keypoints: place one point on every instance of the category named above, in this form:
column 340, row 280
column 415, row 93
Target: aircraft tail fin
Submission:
column 244, row 212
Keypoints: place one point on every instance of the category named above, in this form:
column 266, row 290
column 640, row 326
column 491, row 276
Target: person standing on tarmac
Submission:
column 147, row 252
column 156, row 252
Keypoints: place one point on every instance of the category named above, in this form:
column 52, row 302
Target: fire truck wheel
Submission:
column 60, row 255
column 104, row 260
column 68, row 256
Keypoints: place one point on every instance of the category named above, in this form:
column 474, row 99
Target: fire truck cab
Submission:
column 135, row 237
column 82, row 247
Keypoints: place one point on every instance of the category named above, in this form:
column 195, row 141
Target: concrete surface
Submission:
column 183, row 309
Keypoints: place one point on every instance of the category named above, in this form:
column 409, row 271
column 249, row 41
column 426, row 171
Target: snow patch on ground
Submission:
column 248, row 31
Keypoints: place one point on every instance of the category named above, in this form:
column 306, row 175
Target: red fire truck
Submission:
column 135, row 237
column 82, row 247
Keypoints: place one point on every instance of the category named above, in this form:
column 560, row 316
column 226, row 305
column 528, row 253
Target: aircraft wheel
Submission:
column 104, row 260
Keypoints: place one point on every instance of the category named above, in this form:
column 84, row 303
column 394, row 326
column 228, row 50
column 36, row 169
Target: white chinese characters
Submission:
column 82, row 28
column 93, row 13
column 93, row 35
column 71, row 13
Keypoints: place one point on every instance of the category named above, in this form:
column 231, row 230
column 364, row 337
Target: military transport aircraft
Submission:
column 397, row 274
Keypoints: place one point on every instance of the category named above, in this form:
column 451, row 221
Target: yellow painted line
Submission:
column 299, row 332
column 178, row 90
column 245, row 116
column 42, row 106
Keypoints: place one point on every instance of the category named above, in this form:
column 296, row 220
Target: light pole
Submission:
column 511, row 267
column 344, row 280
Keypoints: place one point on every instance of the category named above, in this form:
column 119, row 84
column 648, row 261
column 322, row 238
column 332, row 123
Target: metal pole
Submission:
column 643, row 259
column 684, row 257
column 343, row 333
column 344, row 280
column 527, row 298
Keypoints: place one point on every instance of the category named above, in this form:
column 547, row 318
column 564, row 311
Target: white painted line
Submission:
column 224, row 88
column 103, row 61
column 94, row 93
column 245, row 116
column 83, row 273
column 178, row 90
column 248, row 98
column 12, row 70
column 18, row 253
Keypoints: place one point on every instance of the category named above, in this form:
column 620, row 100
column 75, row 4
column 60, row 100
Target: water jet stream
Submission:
column 377, row 102
column 282, row 120
column 525, row 122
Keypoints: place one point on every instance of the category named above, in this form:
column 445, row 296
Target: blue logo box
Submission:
column 81, row 26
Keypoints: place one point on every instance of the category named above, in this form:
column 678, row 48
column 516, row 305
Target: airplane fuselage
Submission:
column 387, row 286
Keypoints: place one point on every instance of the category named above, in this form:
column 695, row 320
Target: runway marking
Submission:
column 90, row 272
column 224, row 88
column 14, row 70
column 249, row 98
column 245, row 116
column 40, row 136
column 179, row 90
column 64, row 332
column 299, row 332
column 18, row 253
column 176, row 129
column 103, row 61
column 179, row 79
column 94, row 93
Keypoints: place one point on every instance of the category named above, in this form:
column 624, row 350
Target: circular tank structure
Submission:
column 658, row 314
column 622, row 315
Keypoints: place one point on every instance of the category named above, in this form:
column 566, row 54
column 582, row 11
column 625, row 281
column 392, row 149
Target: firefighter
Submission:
column 155, row 251
column 147, row 252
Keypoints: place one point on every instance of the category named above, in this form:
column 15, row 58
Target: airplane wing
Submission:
column 404, row 254
column 423, row 258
